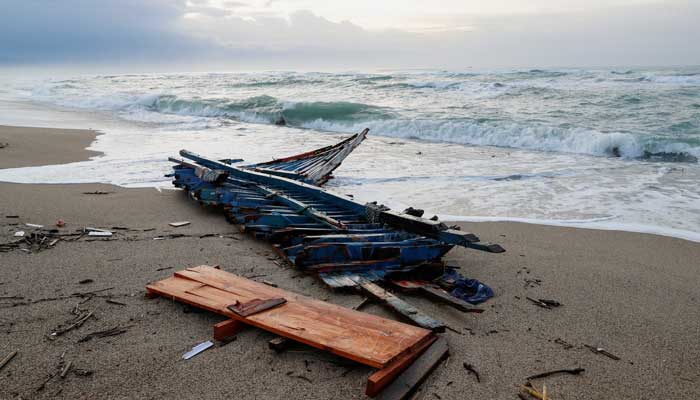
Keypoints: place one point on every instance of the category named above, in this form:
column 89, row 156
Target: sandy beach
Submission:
column 636, row 295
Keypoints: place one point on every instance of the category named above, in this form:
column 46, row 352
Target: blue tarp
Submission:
column 469, row 290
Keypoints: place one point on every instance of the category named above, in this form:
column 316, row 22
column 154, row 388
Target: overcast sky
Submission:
column 318, row 34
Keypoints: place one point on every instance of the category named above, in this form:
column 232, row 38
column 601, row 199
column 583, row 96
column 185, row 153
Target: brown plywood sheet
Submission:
column 361, row 337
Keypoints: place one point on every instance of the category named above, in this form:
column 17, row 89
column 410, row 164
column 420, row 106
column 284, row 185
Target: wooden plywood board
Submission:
column 361, row 337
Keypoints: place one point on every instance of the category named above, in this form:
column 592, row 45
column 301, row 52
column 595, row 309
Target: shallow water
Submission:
column 528, row 145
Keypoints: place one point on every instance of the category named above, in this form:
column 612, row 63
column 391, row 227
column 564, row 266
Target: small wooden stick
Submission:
column 7, row 359
column 65, row 369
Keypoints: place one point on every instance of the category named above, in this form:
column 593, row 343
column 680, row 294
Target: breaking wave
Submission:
column 628, row 113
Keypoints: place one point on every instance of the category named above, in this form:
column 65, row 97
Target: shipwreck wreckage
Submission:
column 342, row 241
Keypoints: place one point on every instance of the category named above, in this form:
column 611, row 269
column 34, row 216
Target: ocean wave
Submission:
column 531, row 137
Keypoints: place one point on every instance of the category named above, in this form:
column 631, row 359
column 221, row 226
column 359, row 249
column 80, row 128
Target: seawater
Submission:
column 606, row 148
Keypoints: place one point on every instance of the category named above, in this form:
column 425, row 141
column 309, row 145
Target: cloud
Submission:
column 85, row 30
column 207, row 34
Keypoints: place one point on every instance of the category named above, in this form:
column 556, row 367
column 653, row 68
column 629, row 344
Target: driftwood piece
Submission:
column 574, row 371
column 600, row 350
column 7, row 359
column 72, row 326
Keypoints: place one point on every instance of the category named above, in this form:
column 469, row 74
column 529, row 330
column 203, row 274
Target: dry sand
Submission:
column 634, row 294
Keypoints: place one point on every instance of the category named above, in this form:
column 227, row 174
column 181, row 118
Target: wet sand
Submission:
column 27, row 147
column 636, row 295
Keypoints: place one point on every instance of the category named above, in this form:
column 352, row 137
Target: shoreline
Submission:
column 633, row 294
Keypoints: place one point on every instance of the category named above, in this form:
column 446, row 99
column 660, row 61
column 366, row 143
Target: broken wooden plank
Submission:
column 225, row 329
column 255, row 306
column 437, row 293
column 361, row 337
column 378, row 380
column 414, row 375
column 402, row 307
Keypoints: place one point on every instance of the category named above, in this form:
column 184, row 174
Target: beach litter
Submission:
column 600, row 350
column 19, row 234
column 179, row 224
column 544, row 303
column 95, row 232
column 34, row 225
column 574, row 371
column 198, row 349
column 470, row 368
column 104, row 333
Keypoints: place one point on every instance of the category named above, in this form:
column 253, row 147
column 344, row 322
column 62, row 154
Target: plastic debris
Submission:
column 198, row 349
column 469, row 290
column 179, row 224
column 100, row 233
column 19, row 234
column 34, row 225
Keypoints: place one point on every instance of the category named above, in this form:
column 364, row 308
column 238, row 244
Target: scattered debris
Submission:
column 471, row 369
column 600, row 350
column 34, row 225
column 100, row 233
column 65, row 369
column 102, row 334
column 98, row 192
column 7, row 359
column 179, row 224
column 198, row 349
column 544, row 303
column 19, row 234
column 60, row 223
column 73, row 325
column 269, row 283
column 84, row 281
column 566, row 345
column 110, row 301
column 279, row 344
column 534, row 392
column 574, row 371
column 11, row 216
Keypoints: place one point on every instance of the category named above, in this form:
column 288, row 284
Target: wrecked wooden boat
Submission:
column 344, row 242
column 315, row 167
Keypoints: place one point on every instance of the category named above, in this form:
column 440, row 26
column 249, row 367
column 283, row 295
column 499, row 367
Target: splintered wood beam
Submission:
column 437, row 293
column 416, row 373
column 402, row 307
column 381, row 378
column 226, row 329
